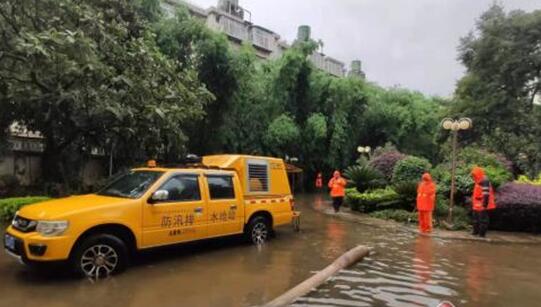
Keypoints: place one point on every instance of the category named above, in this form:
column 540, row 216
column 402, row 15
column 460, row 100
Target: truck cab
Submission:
column 155, row 206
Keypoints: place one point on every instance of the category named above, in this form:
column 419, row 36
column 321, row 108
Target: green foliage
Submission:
column 461, row 217
column 407, row 191
column 441, row 211
column 407, row 119
column 192, row 44
column 524, row 179
column 410, row 169
column 475, row 156
column 503, row 77
column 374, row 200
column 364, row 177
column 498, row 176
column 464, row 182
column 495, row 170
column 347, row 99
column 282, row 135
column 247, row 119
column 149, row 9
column 9, row 206
column 88, row 74
column 123, row 76
column 398, row 215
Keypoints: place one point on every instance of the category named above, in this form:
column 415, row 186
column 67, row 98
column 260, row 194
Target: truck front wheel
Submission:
column 99, row 256
column 258, row 230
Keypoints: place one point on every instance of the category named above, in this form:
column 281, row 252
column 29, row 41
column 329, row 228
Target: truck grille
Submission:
column 23, row 225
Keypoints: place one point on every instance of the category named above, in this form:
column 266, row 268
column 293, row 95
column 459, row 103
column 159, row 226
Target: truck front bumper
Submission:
column 34, row 247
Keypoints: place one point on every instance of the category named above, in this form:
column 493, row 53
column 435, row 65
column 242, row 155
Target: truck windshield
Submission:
column 131, row 185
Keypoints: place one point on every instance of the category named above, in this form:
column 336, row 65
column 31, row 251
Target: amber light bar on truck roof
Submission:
column 154, row 164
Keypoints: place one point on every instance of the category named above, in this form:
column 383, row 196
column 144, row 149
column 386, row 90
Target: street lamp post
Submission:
column 364, row 150
column 454, row 126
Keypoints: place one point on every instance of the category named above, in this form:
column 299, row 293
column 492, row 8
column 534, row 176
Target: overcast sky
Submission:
column 411, row 43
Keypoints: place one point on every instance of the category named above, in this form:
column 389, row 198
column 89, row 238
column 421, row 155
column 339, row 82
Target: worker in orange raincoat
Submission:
column 337, row 184
column 319, row 181
column 426, row 199
column 482, row 201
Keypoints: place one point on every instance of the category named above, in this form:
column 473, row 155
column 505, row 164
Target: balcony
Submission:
column 263, row 39
column 233, row 28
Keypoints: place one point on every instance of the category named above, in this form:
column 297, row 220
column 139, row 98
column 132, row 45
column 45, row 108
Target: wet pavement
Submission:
column 405, row 270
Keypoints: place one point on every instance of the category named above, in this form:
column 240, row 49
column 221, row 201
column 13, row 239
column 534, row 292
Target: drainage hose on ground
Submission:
column 344, row 261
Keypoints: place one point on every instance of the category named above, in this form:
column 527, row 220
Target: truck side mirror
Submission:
column 159, row 196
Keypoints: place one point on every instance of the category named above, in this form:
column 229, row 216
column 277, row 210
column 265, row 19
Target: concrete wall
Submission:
column 26, row 167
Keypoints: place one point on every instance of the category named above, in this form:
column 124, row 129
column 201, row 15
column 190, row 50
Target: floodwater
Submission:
column 405, row 270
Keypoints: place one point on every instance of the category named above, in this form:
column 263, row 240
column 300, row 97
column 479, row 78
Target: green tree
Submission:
column 407, row 119
column 314, row 140
column 291, row 85
column 88, row 75
column 283, row 135
column 347, row 100
column 503, row 62
column 190, row 42
column 247, row 119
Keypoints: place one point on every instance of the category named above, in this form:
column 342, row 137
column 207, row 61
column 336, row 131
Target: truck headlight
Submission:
column 51, row 228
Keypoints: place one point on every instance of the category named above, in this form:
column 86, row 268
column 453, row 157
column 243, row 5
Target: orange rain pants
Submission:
column 425, row 221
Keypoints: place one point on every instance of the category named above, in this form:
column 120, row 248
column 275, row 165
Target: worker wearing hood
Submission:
column 337, row 185
column 482, row 201
column 426, row 200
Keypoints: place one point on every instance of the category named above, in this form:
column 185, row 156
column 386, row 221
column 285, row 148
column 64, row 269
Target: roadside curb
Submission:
column 494, row 236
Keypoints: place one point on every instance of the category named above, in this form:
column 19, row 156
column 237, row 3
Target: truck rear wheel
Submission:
column 259, row 230
column 99, row 256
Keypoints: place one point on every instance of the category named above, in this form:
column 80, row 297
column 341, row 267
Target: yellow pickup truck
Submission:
column 155, row 206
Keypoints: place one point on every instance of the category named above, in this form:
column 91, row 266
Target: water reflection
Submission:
column 477, row 277
column 335, row 240
column 319, row 203
column 422, row 262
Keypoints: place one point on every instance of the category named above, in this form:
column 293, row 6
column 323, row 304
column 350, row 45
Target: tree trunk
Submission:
column 51, row 168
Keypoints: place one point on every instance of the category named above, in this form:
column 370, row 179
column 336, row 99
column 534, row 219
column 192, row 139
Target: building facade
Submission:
column 236, row 22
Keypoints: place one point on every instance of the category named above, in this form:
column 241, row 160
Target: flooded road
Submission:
column 405, row 270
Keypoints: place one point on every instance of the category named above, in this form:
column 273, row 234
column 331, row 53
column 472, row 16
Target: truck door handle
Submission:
column 233, row 207
column 198, row 210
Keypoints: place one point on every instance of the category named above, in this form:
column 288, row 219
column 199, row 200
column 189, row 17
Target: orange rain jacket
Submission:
column 337, row 184
column 426, row 193
column 483, row 194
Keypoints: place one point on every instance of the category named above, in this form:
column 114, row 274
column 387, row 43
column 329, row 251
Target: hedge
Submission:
column 410, row 169
column 373, row 200
column 9, row 206
column 518, row 208
column 525, row 180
